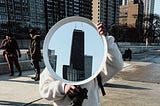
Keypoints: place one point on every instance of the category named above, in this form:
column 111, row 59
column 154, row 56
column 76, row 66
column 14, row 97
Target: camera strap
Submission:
column 100, row 84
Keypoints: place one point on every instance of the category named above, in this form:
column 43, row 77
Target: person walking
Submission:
column 35, row 52
column 11, row 53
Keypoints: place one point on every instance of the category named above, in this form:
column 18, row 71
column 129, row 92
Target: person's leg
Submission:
column 15, row 59
column 10, row 64
column 37, row 70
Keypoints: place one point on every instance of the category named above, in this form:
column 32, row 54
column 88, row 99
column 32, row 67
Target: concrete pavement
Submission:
column 20, row 91
column 136, row 85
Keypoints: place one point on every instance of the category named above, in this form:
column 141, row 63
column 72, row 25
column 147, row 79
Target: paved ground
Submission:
column 136, row 85
column 20, row 91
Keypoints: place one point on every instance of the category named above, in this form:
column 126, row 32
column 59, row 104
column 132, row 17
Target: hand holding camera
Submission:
column 76, row 94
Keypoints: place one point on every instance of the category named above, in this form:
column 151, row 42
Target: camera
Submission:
column 77, row 100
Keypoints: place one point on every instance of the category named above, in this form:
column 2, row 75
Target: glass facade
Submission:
column 18, row 16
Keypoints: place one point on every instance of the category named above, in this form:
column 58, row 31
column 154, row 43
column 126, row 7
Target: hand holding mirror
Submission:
column 73, row 50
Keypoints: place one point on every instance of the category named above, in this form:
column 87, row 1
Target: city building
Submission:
column 76, row 57
column 37, row 15
column 18, row 16
column 135, row 12
column 123, row 16
column 106, row 11
column 148, row 7
column 54, row 11
column 14, row 16
column 3, row 17
column 59, row 9
column 123, row 2
column 131, row 21
column 88, row 66
column 72, row 74
column 131, row 14
column 52, row 59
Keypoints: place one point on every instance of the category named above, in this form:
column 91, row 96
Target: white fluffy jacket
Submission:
column 52, row 89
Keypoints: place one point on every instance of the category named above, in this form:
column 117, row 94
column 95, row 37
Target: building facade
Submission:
column 88, row 66
column 37, row 15
column 131, row 14
column 14, row 16
column 18, row 16
column 106, row 11
column 76, row 67
column 148, row 6
column 59, row 9
column 131, row 21
column 124, row 2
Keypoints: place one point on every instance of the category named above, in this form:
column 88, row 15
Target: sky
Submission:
column 157, row 7
column 61, row 43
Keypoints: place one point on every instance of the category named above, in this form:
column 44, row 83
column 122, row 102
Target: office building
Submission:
column 77, row 53
column 58, row 9
column 124, row 2
column 131, row 14
column 52, row 59
column 106, row 11
column 37, row 15
column 14, row 13
column 88, row 66
column 148, row 7
column 80, row 67
column 131, row 19
column 135, row 11
column 76, row 57
column 71, row 74
column 18, row 16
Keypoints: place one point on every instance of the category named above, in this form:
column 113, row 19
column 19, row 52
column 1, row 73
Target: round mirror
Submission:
column 73, row 50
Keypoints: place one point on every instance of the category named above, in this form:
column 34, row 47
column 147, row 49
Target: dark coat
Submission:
column 34, row 49
column 10, row 47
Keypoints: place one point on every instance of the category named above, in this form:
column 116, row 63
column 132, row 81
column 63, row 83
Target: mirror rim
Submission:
column 46, row 44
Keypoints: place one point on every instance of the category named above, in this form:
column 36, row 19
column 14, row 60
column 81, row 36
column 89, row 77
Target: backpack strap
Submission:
column 100, row 84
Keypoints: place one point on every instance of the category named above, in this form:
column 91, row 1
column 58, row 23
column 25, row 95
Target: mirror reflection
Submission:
column 75, row 51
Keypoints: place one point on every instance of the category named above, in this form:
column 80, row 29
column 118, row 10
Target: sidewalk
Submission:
column 20, row 91
column 136, row 85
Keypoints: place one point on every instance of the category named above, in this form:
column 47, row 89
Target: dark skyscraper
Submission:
column 77, row 50
column 76, row 70
column 77, row 53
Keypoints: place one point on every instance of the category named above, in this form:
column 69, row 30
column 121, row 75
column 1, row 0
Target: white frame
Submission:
column 46, row 44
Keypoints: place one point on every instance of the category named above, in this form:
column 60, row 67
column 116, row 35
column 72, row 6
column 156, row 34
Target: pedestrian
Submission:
column 60, row 92
column 129, row 54
column 11, row 53
column 35, row 52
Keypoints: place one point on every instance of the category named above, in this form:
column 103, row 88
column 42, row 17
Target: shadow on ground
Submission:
column 11, row 103
column 124, row 86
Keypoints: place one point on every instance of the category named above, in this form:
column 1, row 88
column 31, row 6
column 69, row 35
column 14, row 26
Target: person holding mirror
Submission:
column 61, row 94
column 35, row 52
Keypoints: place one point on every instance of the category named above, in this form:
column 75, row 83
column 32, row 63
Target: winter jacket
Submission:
column 10, row 47
column 53, row 89
column 34, row 50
